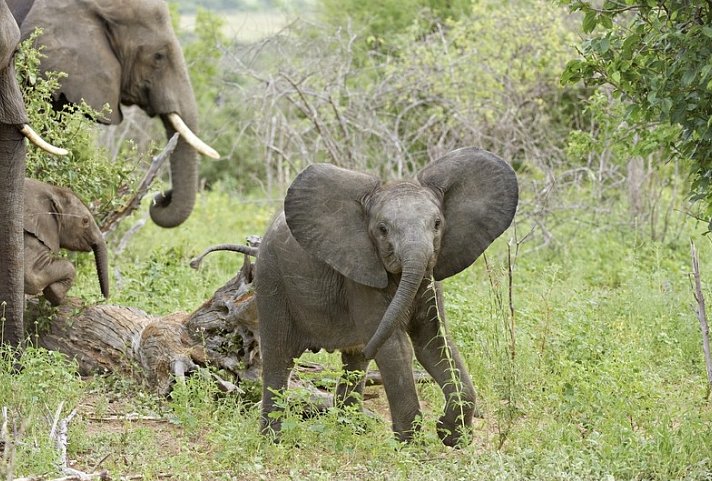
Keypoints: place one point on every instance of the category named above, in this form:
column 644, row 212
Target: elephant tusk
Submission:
column 40, row 142
column 190, row 137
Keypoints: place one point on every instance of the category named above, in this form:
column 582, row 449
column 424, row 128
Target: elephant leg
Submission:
column 12, row 172
column 395, row 361
column 278, row 349
column 440, row 357
column 53, row 278
column 349, row 390
column 276, row 370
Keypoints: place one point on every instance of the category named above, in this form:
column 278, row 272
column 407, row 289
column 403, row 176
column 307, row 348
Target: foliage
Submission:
column 379, row 21
column 87, row 170
column 656, row 57
column 33, row 386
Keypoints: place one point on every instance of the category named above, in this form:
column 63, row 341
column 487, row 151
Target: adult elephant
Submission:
column 124, row 52
column 13, row 126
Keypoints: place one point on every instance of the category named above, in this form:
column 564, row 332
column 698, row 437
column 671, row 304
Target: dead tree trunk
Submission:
column 223, row 332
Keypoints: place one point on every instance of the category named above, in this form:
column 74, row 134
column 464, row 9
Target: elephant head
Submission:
column 434, row 226
column 125, row 52
column 59, row 219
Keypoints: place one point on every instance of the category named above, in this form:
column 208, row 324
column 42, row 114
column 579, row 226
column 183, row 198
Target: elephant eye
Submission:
column 383, row 229
column 438, row 223
column 85, row 220
column 159, row 56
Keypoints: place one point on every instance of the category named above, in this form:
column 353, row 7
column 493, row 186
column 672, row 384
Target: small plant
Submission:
column 456, row 398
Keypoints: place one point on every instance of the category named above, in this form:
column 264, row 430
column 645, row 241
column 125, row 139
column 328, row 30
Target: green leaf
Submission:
column 606, row 21
column 589, row 21
column 688, row 77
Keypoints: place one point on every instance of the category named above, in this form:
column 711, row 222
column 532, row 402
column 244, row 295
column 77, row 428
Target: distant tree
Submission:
column 382, row 19
column 656, row 57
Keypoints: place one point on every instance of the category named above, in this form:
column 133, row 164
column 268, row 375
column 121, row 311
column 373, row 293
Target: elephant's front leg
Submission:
column 440, row 357
column 276, row 370
column 395, row 361
column 349, row 390
column 53, row 277
column 279, row 346
column 57, row 291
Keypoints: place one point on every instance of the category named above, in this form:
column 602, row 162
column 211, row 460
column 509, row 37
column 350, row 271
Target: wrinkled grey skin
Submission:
column 12, row 173
column 348, row 266
column 121, row 52
column 56, row 218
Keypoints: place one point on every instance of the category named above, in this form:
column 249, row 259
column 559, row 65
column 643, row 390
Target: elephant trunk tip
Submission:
column 165, row 213
column 102, row 267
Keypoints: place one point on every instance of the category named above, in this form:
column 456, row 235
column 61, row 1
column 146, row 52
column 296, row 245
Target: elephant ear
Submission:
column 479, row 193
column 12, row 109
column 75, row 41
column 9, row 35
column 324, row 209
column 42, row 210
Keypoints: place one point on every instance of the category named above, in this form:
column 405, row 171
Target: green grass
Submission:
column 607, row 380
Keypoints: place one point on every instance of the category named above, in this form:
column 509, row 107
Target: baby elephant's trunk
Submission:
column 102, row 265
column 399, row 309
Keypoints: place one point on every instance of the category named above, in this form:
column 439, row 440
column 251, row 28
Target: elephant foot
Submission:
column 270, row 428
column 55, row 293
column 454, row 435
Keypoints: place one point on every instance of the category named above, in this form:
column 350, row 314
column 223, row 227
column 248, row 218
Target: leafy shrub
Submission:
column 87, row 170
column 655, row 57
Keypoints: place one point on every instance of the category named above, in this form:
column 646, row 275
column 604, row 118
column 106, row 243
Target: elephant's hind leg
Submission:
column 279, row 346
column 276, row 370
column 349, row 390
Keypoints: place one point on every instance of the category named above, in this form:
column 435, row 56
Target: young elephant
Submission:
column 55, row 217
column 349, row 265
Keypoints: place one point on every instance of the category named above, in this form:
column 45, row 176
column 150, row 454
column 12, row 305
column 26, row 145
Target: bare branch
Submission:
column 112, row 220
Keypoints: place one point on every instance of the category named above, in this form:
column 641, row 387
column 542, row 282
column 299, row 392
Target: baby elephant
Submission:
column 55, row 217
column 351, row 264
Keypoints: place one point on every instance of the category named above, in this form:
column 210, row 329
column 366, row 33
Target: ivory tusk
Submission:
column 190, row 137
column 41, row 143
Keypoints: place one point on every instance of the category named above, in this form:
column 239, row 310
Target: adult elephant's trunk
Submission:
column 102, row 266
column 172, row 207
column 399, row 309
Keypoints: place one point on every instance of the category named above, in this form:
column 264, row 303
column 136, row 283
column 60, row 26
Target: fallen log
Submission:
column 223, row 333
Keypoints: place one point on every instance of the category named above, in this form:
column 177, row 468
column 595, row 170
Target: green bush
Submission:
column 654, row 56
column 87, row 170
